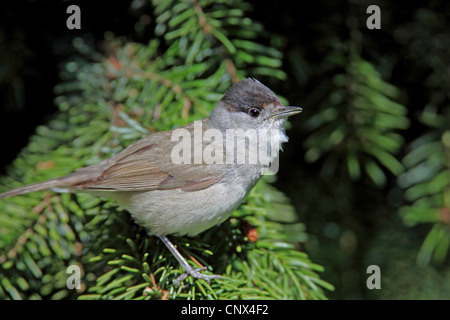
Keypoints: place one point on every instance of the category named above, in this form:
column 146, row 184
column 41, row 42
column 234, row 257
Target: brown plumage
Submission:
column 140, row 167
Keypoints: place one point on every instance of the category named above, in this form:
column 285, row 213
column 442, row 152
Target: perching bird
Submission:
column 172, row 191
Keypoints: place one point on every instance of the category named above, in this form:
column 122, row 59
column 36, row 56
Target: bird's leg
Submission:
column 189, row 271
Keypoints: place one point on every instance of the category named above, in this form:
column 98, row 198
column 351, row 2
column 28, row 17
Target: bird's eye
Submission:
column 254, row 112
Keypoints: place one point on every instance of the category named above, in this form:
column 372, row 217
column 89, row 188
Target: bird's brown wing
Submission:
column 147, row 165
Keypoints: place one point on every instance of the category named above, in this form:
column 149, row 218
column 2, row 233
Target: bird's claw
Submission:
column 195, row 273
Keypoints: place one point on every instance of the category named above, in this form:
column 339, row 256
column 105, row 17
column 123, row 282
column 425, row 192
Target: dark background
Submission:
column 366, row 229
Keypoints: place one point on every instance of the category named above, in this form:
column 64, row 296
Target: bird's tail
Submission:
column 49, row 184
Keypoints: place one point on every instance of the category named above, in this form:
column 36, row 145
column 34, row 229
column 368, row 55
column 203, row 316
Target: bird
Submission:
column 174, row 191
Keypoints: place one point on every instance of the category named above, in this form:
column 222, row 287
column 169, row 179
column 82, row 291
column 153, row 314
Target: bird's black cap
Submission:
column 249, row 93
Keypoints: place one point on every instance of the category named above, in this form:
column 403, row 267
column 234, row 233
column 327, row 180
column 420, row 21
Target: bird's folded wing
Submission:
column 147, row 165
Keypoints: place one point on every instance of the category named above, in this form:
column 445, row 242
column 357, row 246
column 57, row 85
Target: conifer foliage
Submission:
column 360, row 122
column 107, row 100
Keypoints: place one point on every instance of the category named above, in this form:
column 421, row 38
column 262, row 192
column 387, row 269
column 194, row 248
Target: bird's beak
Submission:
column 281, row 112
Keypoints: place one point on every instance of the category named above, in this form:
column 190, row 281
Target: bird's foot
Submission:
column 195, row 273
